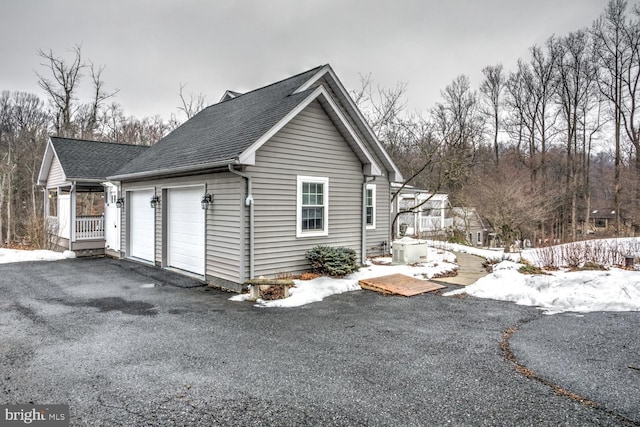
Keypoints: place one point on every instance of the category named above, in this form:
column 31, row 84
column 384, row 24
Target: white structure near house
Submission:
column 429, row 214
column 244, row 188
column 79, row 205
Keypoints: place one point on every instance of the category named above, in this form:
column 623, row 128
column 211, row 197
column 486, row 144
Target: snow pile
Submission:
column 560, row 291
column 16, row 255
column 608, row 252
column 308, row 291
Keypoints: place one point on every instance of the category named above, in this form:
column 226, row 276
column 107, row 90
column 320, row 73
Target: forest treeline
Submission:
column 26, row 122
column 534, row 149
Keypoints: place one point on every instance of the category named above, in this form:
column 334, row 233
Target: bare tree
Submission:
column 30, row 135
column 23, row 126
column 460, row 126
column 90, row 123
column 631, row 101
column 61, row 87
column 575, row 83
column 492, row 87
column 608, row 33
column 193, row 105
column 73, row 118
column 506, row 198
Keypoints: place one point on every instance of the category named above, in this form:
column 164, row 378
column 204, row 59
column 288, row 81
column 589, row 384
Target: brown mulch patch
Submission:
column 453, row 273
column 272, row 292
column 309, row 276
column 20, row 246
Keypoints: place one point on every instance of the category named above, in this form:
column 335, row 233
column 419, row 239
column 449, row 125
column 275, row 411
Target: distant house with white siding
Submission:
column 245, row 187
column 419, row 213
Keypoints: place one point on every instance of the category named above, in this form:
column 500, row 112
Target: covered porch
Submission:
column 82, row 209
column 76, row 218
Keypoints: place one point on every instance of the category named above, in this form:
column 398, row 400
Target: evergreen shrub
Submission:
column 331, row 261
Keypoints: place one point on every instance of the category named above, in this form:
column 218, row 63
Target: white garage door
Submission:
column 141, row 225
column 185, row 229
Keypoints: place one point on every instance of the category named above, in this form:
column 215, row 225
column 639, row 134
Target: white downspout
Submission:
column 248, row 202
column 364, row 217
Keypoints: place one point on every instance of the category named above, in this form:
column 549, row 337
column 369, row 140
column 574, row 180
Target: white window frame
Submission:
column 325, row 201
column 371, row 187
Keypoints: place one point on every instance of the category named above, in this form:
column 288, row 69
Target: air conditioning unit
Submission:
column 397, row 254
column 405, row 252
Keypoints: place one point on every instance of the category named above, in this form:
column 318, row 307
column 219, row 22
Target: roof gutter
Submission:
column 171, row 171
column 248, row 202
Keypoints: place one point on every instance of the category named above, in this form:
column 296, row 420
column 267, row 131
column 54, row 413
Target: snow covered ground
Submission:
column 308, row 291
column 559, row 291
column 16, row 255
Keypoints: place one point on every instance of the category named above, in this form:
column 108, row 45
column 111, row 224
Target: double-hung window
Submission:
column 370, row 205
column 313, row 206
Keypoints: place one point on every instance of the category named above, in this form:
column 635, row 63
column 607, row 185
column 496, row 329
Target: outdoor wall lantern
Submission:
column 207, row 200
column 119, row 202
column 155, row 201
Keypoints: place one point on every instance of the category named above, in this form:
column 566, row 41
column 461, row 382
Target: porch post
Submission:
column 72, row 214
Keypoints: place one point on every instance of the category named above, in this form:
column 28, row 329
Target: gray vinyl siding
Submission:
column 224, row 224
column 382, row 232
column 355, row 128
column 223, row 246
column 56, row 177
column 309, row 145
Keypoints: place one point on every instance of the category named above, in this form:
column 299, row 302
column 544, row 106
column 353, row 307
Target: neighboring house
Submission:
column 470, row 224
column 603, row 222
column 247, row 186
column 76, row 205
column 429, row 214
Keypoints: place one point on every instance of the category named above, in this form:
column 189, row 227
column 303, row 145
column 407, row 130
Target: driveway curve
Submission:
column 594, row 355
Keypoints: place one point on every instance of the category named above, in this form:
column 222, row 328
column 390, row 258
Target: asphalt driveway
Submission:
column 123, row 346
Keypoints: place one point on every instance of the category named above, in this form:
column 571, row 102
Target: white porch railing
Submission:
column 435, row 223
column 89, row 227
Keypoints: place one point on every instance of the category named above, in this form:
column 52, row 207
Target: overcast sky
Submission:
column 149, row 47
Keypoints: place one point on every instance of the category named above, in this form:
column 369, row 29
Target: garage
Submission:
column 185, row 229
column 141, row 225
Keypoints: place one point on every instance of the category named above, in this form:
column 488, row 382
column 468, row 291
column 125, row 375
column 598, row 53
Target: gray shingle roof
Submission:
column 221, row 132
column 85, row 159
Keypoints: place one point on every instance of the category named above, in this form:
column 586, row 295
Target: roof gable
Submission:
column 229, row 94
column 326, row 73
column 320, row 94
column 231, row 131
column 86, row 160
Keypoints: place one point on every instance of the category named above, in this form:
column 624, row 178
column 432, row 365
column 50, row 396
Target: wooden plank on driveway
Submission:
column 399, row 284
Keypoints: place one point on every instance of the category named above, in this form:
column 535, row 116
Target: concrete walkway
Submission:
column 470, row 269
